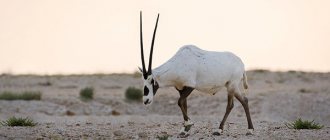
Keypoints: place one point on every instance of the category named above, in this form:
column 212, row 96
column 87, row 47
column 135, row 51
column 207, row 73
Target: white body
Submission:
column 206, row 71
column 192, row 68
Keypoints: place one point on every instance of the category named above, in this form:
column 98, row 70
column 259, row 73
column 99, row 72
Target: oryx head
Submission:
column 149, row 83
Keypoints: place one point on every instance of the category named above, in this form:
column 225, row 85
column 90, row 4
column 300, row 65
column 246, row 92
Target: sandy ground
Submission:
column 274, row 99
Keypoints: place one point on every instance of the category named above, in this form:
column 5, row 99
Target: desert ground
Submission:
column 275, row 98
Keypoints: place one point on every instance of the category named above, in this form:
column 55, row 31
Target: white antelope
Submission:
column 192, row 68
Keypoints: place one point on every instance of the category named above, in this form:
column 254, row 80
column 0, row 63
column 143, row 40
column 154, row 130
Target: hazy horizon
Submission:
column 70, row 36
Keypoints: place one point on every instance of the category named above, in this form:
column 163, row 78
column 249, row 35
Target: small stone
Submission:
column 216, row 133
column 115, row 113
column 130, row 123
column 69, row 125
column 43, row 135
column 118, row 133
column 164, row 132
column 85, row 135
column 70, row 113
column 143, row 135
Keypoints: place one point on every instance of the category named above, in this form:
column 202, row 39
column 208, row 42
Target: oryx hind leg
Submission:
column 230, row 106
column 244, row 101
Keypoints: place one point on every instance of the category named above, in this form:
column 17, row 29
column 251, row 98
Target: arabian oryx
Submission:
column 192, row 68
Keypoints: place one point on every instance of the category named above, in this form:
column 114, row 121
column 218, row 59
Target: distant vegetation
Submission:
column 87, row 93
column 260, row 70
column 303, row 124
column 133, row 94
column 46, row 83
column 137, row 74
column 27, row 95
column 13, row 121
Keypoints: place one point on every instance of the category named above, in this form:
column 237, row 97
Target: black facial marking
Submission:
column 146, row 91
column 145, row 76
column 155, row 86
column 146, row 101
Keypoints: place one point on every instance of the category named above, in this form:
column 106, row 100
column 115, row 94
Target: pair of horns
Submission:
column 146, row 73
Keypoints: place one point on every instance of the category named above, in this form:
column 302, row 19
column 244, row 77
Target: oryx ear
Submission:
column 140, row 69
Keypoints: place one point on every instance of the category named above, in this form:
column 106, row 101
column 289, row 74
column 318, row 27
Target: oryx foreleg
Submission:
column 182, row 103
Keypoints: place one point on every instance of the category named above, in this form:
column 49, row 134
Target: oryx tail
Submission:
column 245, row 83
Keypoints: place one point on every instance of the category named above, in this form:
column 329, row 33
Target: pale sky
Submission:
column 102, row 36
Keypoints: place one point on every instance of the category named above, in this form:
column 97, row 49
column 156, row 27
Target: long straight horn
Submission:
column 141, row 41
column 152, row 47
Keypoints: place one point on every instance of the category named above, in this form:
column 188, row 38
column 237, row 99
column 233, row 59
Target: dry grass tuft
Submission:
column 303, row 124
column 13, row 121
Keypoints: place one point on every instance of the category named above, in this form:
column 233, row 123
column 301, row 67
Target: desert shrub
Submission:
column 164, row 137
column 292, row 71
column 13, row 121
column 303, row 124
column 133, row 94
column 27, row 95
column 87, row 93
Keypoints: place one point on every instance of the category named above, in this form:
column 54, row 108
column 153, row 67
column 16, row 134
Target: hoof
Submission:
column 183, row 135
column 218, row 133
column 188, row 127
column 249, row 132
column 185, row 129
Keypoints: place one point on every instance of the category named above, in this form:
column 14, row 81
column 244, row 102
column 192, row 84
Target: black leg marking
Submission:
column 182, row 102
column 230, row 106
column 244, row 101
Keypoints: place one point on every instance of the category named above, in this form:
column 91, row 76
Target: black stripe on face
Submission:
column 154, row 86
column 146, row 91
